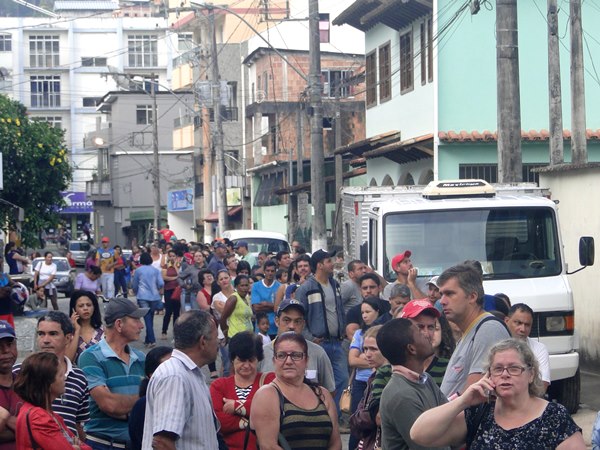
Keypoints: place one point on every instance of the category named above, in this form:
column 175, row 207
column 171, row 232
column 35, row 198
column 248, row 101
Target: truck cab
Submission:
column 513, row 230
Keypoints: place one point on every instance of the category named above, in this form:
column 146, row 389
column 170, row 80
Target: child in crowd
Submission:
column 262, row 325
column 282, row 276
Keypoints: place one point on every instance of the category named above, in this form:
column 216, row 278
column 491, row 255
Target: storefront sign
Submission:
column 76, row 203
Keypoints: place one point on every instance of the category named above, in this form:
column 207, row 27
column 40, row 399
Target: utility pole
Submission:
column 218, row 129
column 317, row 156
column 578, row 137
column 155, row 168
column 554, row 89
column 510, row 162
column 339, row 171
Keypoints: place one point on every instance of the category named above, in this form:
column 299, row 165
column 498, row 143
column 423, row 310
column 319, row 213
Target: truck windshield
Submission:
column 509, row 242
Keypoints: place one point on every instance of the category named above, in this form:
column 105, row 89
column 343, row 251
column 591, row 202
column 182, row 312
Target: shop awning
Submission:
column 231, row 212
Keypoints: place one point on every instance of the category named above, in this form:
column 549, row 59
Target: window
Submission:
column 90, row 61
column 487, row 172
column 45, row 91
column 265, row 194
column 385, row 73
column 91, row 101
column 53, row 121
column 324, row 28
column 143, row 114
column 43, row 51
column 266, row 84
column 371, row 78
column 336, row 83
column 423, row 53
column 406, row 63
column 5, row 43
column 143, row 50
column 429, row 51
column 185, row 42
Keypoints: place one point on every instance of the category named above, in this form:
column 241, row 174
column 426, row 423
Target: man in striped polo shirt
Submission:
column 54, row 333
column 114, row 371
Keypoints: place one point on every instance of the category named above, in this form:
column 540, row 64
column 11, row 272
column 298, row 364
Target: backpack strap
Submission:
column 489, row 318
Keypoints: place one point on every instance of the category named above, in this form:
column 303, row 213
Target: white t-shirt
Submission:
column 46, row 270
column 218, row 297
column 541, row 353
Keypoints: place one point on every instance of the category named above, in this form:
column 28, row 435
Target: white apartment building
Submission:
column 60, row 67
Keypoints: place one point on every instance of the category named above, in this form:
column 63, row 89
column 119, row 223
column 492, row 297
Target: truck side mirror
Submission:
column 586, row 251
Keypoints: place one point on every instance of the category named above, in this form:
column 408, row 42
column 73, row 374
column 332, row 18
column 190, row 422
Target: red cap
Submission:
column 400, row 257
column 105, row 239
column 415, row 307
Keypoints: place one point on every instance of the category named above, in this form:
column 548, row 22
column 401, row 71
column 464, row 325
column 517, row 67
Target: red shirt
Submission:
column 48, row 429
column 167, row 234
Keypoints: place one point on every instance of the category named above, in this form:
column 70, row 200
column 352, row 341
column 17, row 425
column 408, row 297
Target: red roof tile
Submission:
column 486, row 135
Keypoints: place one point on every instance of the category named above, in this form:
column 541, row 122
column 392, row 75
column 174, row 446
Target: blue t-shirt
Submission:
column 262, row 293
column 357, row 343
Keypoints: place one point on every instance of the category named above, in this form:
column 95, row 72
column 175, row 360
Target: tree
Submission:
column 36, row 170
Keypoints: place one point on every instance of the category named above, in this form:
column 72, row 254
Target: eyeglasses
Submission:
column 296, row 356
column 514, row 371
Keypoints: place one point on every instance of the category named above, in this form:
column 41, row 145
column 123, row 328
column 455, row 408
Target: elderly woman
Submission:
column 38, row 383
column 518, row 418
column 232, row 396
column 306, row 417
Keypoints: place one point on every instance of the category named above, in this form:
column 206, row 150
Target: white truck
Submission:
column 512, row 230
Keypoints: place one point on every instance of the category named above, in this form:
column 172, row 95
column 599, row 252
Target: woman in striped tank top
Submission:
column 306, row 418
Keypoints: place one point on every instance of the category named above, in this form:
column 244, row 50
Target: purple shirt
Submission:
column 85, row 284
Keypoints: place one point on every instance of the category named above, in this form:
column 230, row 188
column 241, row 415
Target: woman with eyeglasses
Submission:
column 232, row 396
column 306, row 417
column 518, row 418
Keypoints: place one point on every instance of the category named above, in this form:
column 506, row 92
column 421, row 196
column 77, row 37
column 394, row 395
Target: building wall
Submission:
column 567, row 187
column 105, row 37
column 380, row 171
column 467, row 97
column 410, row 113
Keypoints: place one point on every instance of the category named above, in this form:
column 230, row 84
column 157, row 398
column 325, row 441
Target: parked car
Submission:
column 79, row 251
column 259, row 241
column 65, row 274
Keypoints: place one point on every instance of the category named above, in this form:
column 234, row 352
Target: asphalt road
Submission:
column 590, row 379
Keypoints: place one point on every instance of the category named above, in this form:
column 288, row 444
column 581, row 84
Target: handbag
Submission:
column 346, row 397
column 176, row 294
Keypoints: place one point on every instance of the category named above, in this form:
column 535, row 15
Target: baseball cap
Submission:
column 289, row 303
column 6, row 330
column 415, row 307
column 319, row 256
column 120, row 307
column 219, row 245
column 433, row 280
column 105, row 239
column 400, row 257
column 239, row 244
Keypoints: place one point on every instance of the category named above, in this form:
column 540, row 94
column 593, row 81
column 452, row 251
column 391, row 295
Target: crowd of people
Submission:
column 430, row 362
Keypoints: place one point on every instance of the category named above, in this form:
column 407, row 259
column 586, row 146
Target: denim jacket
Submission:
column 147, row 281
column 311, row 294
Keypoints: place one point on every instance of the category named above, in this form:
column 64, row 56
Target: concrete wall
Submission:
column 579, row 215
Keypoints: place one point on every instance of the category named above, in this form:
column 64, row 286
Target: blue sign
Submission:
column 77, row 203
column 182, row 200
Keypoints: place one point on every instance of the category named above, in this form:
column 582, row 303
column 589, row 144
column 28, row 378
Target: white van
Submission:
column 259, row 241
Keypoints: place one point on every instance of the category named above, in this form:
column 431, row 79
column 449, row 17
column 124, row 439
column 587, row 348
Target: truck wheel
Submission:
column 566, row 392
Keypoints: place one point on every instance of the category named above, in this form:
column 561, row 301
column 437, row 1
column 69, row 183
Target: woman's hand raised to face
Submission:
column 478, row 392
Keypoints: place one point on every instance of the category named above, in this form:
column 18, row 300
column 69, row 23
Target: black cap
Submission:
column 319, row 256
column 290, row 303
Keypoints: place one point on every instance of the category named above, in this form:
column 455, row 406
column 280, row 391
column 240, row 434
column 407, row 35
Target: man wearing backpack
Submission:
column 461, row 287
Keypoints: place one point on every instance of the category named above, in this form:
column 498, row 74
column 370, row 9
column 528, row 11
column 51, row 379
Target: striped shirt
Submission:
column 73, row 405
column 305, row 429
column 102, row 367
column 176, row 393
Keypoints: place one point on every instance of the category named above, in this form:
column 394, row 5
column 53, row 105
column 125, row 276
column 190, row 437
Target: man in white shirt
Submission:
column 519, row 322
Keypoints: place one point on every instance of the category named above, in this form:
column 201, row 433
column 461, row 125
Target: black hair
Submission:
column 243, row 265
column 448, row 342
column 60, row 318
column 280, row 254
column 145, row 259
column 153, row 360
column 201, row 274
column 280, row 273
column 96, row 318
column 246, row 345
column 393, row 338
column 520, row 307
column 95, row 270
column 269, row 263
column 370, row 276
column 239, row 279
column 260, row 316
column 373, row 302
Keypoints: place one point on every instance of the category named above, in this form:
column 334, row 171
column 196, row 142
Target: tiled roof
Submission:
column 486, row 135
column 85, row 5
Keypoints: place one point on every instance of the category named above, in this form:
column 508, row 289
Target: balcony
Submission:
column 98, row 191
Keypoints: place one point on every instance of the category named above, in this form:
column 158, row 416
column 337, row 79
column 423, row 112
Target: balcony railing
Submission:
column 98, row 190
